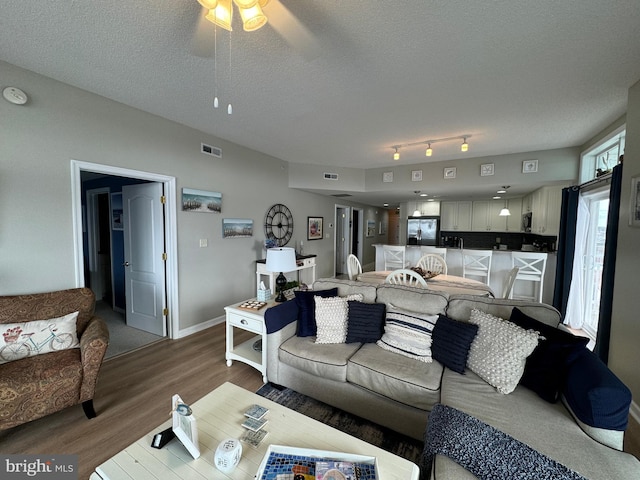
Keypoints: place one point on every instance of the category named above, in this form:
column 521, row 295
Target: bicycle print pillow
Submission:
column 26, row 339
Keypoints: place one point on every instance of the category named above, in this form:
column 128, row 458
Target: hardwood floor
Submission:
column 134, row 396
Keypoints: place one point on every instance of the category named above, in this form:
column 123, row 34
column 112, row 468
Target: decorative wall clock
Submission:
column 278, row 224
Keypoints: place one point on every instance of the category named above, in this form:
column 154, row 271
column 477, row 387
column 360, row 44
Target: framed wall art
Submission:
column 530, row 166
column 314, row 228
column 634, row 203
column 486, row 169
column 450, row 172
column 416, row 175
column 237, row 227
column 116, row 211
column 371, row 228
column 201, row 201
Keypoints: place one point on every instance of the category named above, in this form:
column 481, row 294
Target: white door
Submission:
column 143, row 225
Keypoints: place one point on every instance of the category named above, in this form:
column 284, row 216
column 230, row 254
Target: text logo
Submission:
column 50, row 467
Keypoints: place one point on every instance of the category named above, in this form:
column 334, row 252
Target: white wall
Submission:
column 61, row 123
column 624, row 355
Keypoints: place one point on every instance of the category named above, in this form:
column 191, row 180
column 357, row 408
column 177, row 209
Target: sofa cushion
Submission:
column 546, row 368
column 347, row 287
column 37, row 337
column 307, row 309
column 365, row 322
column 416, row 299
column 408, row 333
column 331, row 318
column 394, row 376
column 594, row 393
column 451, row 341
column 322, row 360
column 500, row 350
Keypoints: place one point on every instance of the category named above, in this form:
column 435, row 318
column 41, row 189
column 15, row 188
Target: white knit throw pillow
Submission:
column 500, row 350
column 332, row 317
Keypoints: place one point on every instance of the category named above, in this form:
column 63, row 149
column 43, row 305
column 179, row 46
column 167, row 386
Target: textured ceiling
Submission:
column 516, row 75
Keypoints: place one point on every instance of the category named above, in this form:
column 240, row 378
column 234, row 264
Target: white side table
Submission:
column 251, row 321
column 305, row 269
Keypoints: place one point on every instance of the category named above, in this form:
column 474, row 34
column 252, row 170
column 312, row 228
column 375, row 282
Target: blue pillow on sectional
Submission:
column 546, row 368
column 365, row 322
column 451, row 341
column 596, row 396
column 307, row 309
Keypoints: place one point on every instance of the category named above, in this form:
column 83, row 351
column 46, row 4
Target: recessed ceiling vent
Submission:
column 211, row 150
column 330, row 176
column 342, row 195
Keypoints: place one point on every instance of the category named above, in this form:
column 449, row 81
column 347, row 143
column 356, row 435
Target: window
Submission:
column 603, row 156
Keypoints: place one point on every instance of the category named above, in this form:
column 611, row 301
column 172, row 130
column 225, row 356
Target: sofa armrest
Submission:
column 276, row 318
column 93, row 346
column 281, row 323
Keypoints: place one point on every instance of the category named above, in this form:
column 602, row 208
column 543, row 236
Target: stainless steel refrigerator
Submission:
column 423, row 230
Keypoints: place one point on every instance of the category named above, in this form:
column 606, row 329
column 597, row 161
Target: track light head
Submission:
column 465, row 146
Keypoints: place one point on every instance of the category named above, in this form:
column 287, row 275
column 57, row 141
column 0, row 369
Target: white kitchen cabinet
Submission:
column 514, row 221
column 546, row 203
column 455, row 216
column 486, row 216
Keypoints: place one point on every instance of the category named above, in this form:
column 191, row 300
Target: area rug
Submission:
column 382, row 437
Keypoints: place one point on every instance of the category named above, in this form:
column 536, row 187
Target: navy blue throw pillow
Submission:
column 594, row 393
column 307, row 309
column 451, row 341
column 546, row 368
column 365, row 322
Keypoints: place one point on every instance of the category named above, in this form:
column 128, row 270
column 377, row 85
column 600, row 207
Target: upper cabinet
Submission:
column 545, row 205
column 486, row 216
column 455, row 216
column 514, row 221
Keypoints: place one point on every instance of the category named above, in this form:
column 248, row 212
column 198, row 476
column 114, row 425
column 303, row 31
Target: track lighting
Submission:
column 429, row 151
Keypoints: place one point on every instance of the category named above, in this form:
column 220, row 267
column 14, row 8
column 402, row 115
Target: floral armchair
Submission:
column 38, row 385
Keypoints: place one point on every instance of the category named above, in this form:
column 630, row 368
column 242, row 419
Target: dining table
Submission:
column 451, row 284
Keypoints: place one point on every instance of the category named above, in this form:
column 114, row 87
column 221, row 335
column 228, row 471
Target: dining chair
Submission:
column 404, row 276
column 507, row 291
column 425, row 249
column 532, row 266
column 354, row 268
column 477, row 263
column 432, row 262
column 394, row 257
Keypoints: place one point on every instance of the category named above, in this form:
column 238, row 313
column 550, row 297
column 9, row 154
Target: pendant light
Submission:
column 417, row 212
column 505, row 211
column 396, row 156
column 429, row 152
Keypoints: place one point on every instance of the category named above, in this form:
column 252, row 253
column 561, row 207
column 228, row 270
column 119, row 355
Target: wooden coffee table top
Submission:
column 219, row 415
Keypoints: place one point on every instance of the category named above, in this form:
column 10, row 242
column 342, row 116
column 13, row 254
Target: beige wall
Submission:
column 624, row 356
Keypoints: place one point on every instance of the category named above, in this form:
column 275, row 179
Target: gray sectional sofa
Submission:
column 399, row 392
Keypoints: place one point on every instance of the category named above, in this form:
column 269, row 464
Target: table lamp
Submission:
column 281, row 259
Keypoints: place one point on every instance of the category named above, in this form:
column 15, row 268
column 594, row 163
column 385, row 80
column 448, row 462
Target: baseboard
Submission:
column 185, row 332
column 635, row 411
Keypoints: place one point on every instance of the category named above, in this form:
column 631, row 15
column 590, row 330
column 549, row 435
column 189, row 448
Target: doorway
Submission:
column 81, row 224
column 348, row 238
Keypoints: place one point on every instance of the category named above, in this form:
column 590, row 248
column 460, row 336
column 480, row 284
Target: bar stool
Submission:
column 477, row 263
column 425, row 249
column 507, row 291
column 432, row 263
column 531, row 267
column 394, row 257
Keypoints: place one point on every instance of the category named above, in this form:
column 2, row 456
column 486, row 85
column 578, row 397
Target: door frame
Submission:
column 360, row 252
column 170, row 228
column 346, row 231
column 92, row 235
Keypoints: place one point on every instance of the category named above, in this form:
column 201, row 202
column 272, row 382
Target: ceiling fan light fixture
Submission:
column 252, row 17
column 222, row 15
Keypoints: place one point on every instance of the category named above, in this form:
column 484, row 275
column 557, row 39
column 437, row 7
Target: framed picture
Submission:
column 371, row 228
column 634, row 203
column 184, row 425
column 201, row 201
column 387, row 177
column 416, row 175
column 382, row 230
column 237, row 227
column 530, row 166
column 116, row 211
column 450, row 172
column 314, row 228
column 487, row 169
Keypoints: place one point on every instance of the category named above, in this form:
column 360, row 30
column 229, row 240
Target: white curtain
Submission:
column 574, row 316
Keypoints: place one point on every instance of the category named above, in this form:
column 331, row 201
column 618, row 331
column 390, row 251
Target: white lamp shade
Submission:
column 281, row 259
column 504, row 212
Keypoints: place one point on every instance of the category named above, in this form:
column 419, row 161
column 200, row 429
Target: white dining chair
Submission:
column 394, row 257
column 477, row 263
column 432, row 262
column 507, row 291
column 404, row 276
column 426, row 249
column 532, row 266
column 354, row 268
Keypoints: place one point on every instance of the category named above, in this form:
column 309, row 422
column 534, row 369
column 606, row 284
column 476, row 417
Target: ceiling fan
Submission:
column 254, row 14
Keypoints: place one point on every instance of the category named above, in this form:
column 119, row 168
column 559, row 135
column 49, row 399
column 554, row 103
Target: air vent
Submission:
column 342, row 195
column 330, row 176
column 211, row 150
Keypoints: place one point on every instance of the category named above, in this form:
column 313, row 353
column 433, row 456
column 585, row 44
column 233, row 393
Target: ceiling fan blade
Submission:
column 203, row 39
column 292, row 30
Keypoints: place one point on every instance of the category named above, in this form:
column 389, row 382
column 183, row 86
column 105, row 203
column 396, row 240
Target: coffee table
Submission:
column 219, row 415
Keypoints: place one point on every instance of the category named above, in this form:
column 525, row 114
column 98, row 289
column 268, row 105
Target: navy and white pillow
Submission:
column 408, row 333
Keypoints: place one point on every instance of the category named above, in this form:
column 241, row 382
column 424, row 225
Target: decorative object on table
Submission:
column 237, row 227
column 256, row 412
column 281, row 259
column 253, row 424
column 278, row 224
column 228, row 455
column 253, row 438
column 264, row 293
column 314, row 228
column 184, row 425
column 530, row 166
column 486, row 169
column 634, row 203
column 252, row 305
column 450, row 172
column 201, row 201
